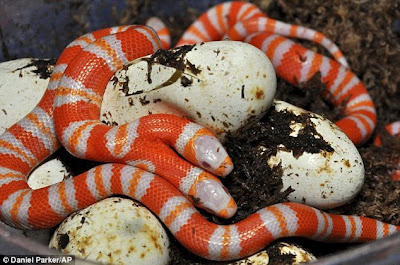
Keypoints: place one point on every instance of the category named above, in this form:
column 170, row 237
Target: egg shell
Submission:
column 326, row 179
column 21, row 88
column 22, row 85
column 223, row 85
column 264, row 257
column 48, row 173
column 114, row 231
column 299, row 254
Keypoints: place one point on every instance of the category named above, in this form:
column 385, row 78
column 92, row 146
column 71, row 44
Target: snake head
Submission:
column 211, row 155
column 211, row 195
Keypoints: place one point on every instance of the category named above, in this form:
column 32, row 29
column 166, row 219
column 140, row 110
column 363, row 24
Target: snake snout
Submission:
column 215, row 198
column 212, row 156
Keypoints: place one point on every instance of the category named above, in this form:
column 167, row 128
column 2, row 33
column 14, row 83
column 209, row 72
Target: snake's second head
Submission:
column 211, row 195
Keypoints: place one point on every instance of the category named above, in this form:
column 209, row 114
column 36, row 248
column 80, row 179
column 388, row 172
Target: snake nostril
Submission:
column 205, row 165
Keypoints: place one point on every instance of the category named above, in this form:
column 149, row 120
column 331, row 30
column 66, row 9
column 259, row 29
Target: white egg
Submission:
column 223, row 85
column 48, row 173
column 22, row 84
column 141, row 238
column 325, row 179
column 297, row 255
column 21, row 88
column 114, row 231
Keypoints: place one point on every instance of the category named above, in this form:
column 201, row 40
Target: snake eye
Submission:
column 212, row 155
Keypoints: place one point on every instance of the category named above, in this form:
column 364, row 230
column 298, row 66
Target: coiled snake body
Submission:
column 141, row 152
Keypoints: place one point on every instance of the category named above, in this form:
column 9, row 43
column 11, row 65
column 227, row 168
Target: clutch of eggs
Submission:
column 213, row 84
column 225, row 86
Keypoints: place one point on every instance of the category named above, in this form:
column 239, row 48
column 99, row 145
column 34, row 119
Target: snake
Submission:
column 167, row 162
column 292, row 62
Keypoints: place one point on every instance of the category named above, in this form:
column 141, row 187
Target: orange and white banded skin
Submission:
column 146, row 147
column 145, row 143
column 229, row 242
column 394, row 130
column 249, row 26
column 78, row 82
column 161, row 30
column 292, row 62
column 236, row 20
column 296, row 64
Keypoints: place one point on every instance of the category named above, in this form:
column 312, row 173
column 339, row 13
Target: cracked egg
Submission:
column 223, row 85
column 318, row 161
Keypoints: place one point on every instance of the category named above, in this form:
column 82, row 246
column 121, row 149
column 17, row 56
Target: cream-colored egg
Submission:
column 223, row 85
column 297, row 254
column 326, row 179
column 114, row 231
column 49, row 173
column 22, row 84
column 21, row 87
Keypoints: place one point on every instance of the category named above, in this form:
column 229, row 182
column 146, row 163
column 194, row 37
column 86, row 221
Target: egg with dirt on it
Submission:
column 113, row 231
column 278, row 253
column 223, row 85
column 318, row 161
